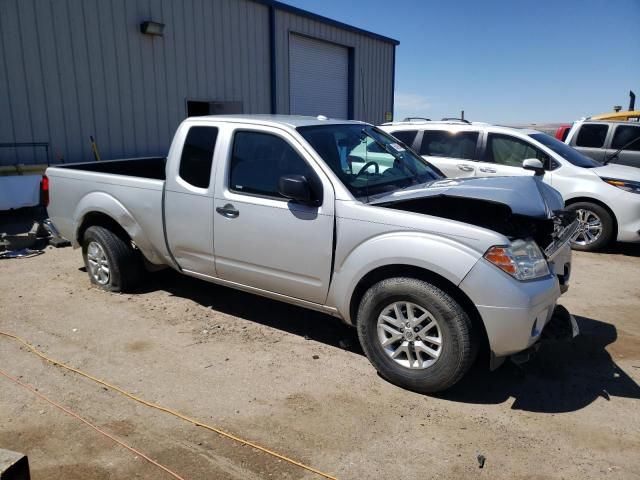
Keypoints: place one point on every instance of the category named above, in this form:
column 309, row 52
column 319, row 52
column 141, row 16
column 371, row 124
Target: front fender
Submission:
column 106, row 204
column 440, row 255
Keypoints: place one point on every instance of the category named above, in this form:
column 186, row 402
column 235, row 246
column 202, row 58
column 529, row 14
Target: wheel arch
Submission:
column 101, row 208
column 100, row 219
column 411, row 271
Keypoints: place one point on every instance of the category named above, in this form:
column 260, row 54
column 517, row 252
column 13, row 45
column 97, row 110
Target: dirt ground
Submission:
column 297, row 382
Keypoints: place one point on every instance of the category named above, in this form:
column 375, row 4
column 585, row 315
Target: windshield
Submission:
column 565, row 151
column 367, row 160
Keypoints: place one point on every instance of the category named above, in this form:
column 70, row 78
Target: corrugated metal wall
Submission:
column 74, row 68
column 373, row 64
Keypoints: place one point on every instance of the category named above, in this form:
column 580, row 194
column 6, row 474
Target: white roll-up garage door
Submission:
column 318, row 78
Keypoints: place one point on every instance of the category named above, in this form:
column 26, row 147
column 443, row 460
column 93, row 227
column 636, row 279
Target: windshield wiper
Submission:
column 614, row 155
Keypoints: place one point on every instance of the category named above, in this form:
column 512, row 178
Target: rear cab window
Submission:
column 450, row 144
column 197, row 156
column 592, row 135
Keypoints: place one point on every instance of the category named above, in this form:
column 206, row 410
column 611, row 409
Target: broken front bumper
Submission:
column 514, row 313
column 561, row 327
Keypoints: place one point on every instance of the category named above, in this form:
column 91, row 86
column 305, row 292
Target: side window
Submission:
column 259, row 160
column 197, row 156
column 406, row 136
column 442, row 143
column 592, row 135
column 511, row 151
column 625, row 135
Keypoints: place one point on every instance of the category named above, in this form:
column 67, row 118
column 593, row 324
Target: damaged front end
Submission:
column 517, row 316
column 517, row 207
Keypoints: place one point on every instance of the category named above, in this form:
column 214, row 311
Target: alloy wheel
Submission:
column 98, row 263
column 410, row 335
column 589, row 227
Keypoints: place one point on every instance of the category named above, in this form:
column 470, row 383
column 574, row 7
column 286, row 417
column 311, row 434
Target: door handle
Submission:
column 228, row 211
column 465, row 168
column 488, row 170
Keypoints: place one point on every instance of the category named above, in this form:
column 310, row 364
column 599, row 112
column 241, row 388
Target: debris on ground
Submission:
column 22, row 253
column 29, row 231
column 55, row 239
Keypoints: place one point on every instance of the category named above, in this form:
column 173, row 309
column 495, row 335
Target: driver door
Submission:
column 261, row 239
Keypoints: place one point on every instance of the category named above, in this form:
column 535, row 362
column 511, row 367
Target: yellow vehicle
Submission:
column 628, row 116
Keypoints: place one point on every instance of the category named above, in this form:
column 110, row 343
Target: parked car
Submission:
column 607, row 141
column 424, row 267
column 562, row 131
column 605, row 197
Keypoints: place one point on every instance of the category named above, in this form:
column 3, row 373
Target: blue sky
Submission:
column 504, row 61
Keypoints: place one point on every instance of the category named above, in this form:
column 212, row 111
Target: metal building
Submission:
column 72, row 69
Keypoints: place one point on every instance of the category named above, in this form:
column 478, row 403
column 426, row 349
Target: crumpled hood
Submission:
column 527, row 195
column 621, row 172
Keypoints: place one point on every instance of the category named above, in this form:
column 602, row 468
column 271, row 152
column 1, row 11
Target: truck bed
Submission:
column 145, row 167
column 130, row 191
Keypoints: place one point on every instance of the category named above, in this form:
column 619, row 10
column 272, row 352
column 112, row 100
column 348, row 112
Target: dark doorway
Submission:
column 198, row 108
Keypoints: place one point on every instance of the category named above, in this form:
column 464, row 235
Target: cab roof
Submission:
column 290, row 121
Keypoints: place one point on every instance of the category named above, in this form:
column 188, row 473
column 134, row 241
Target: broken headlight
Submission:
column 523, row 259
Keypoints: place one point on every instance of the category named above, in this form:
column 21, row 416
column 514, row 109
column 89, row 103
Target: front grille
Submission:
column 561, row 236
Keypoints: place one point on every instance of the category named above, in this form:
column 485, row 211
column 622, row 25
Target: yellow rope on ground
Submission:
column 91, row 425
column 168, row 410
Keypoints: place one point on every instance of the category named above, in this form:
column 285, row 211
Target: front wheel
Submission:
column 416, row 335
column 595, row 227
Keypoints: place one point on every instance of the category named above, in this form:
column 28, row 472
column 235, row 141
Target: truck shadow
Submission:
column 274, row 314
column 561, row 377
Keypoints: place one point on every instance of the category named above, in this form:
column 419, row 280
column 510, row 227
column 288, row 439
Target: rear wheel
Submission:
column 416, row 335
column 596, row 227
column 111, row 261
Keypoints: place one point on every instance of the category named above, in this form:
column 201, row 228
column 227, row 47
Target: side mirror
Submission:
column 533, row 164
column 295, row 187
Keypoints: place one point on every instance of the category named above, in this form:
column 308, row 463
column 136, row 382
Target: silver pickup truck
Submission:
column 428, row 269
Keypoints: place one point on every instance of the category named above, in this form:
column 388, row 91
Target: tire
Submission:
column 592, row 212
column 458, row 342
column 122, row 261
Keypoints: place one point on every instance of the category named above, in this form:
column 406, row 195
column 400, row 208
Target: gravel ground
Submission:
column 297, row 382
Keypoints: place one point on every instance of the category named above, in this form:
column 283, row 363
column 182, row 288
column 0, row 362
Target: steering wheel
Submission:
column 367, row 165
